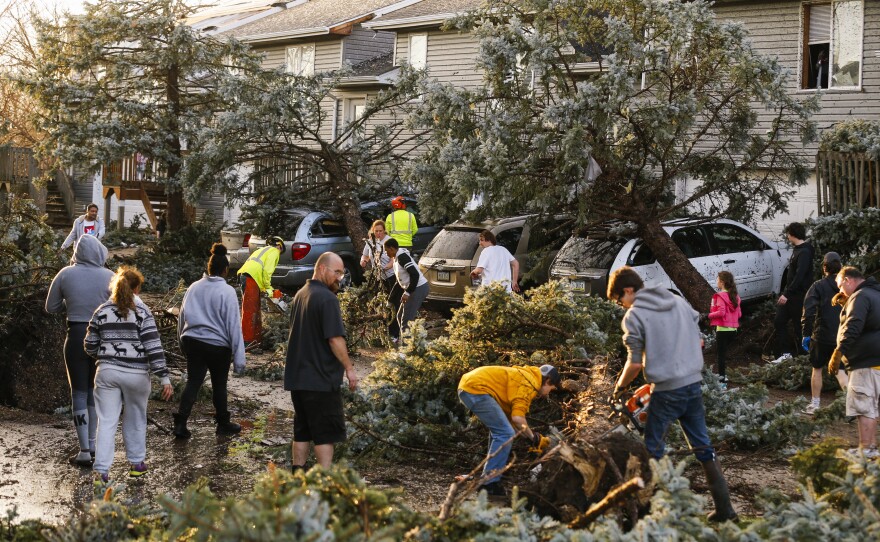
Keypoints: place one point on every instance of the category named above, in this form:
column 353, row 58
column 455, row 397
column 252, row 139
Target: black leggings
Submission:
column 80, row 366
column 202, row 358
column 723, row 340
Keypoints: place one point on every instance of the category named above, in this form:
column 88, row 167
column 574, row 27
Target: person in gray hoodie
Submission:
column 79, row 289
column 662, row 338
column 209, row 328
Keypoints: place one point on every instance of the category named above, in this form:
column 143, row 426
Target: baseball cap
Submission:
column 551, row 374
column 831, row 257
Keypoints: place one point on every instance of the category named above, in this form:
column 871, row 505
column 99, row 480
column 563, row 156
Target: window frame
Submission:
column 300, row 47
column 409, row 51
column 803, row 49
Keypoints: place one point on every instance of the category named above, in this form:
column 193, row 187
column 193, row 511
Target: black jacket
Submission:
column 858, row 337
column 800, row 271
column 821, row 320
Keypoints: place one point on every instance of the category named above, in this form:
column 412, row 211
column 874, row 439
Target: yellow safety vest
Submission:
column 260, row 267
column 401, row 225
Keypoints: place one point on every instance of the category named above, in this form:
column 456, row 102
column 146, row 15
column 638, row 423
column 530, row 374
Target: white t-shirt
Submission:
column 495, row 261
column 383, row 256
column 90, row 227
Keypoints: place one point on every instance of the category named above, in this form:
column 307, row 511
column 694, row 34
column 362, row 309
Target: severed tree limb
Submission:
column 611, row 499
column 471, row 482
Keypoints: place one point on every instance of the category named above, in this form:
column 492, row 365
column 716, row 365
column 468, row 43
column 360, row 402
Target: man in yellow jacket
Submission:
column 256, row 276
column 500, row 397
column 401, row 224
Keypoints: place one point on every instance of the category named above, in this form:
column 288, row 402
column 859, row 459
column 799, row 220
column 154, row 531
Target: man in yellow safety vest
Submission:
column 256, row 276
column 401, row 223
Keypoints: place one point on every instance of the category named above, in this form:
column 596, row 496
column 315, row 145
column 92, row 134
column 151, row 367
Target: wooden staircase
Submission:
column 120, row 178
column 56, row 210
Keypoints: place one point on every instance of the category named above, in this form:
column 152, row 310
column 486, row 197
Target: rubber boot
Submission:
column 720, row 495
column 180, row 430
column 225, row 426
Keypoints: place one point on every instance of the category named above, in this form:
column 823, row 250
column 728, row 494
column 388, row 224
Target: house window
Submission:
column 301, row 59
column 418, row 51
column 832, row 45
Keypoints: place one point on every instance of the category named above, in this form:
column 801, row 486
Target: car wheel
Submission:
column 352, row 276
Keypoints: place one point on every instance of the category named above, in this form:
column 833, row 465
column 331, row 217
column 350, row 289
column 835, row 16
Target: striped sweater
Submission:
column 130, row 341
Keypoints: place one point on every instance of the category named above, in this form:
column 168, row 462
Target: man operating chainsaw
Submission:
column 500, row 397
column 662, row 338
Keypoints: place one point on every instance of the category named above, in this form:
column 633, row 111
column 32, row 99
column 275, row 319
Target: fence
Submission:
column 846, row 181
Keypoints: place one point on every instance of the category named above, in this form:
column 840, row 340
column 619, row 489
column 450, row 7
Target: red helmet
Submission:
column 398, row 203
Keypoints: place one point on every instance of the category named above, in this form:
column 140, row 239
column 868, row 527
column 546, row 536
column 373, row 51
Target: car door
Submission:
column 693, row 242
column 745, row 255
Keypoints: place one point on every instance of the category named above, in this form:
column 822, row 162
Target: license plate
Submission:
column 577, row 285
column 443, row 276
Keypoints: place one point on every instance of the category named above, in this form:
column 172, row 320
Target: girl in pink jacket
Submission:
column 724, row 314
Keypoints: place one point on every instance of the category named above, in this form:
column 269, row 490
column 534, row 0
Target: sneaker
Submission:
column 494, row 489
column 138, row 469
column 101, row 479
column 780, row 359
column 811, row 409
column 869, row 453
column 83, row 459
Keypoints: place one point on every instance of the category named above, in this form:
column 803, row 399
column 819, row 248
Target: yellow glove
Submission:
column 540, row 444
column 834, row 364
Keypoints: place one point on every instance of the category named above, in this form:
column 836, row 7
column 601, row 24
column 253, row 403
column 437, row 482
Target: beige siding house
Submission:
column 830, row 47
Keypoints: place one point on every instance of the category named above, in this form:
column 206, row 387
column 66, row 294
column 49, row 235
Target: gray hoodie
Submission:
column 660, row 332
column 81, row 287
column 210, row 313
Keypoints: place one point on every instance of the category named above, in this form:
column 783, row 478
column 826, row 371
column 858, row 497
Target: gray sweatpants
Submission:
column 113, row 387
column 413, row 304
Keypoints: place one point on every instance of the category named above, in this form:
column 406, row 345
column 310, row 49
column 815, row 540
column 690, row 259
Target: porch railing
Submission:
column 846, row 181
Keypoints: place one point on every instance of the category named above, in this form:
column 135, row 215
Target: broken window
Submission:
column 832, row 45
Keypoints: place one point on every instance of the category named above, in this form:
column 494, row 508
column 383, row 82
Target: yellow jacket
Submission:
column 513, row 388
column 401, row 225
column 260, row 267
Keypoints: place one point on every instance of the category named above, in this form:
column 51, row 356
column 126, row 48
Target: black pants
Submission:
column 723, row 340
column 788, row 314
column 201, row 358
column 394, row 299
column 80, row 366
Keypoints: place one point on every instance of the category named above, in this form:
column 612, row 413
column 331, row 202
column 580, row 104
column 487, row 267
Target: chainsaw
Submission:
column 633, row 409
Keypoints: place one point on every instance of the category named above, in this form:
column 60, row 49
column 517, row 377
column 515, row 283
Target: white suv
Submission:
column 758, row 264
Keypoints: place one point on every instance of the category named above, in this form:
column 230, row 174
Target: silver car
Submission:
column 758, row 264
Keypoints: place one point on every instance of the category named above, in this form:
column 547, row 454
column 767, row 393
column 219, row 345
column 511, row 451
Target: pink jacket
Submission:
column 722, row 312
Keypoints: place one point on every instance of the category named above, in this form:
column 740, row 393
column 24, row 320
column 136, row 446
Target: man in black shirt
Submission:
column 790, row 304
column 317, row 357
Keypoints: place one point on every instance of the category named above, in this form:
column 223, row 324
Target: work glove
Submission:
column 539, row 443
column 839, row 299
column 834, row 364
column 805, row 344
column 276, row 294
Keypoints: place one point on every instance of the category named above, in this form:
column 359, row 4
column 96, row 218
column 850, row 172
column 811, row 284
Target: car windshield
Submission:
column 453, row 244
column 586, row 253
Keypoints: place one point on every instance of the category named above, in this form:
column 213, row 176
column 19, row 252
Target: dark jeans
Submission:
column 788, row 314
column 723, row 340
column 685, row 405
column 202, row 358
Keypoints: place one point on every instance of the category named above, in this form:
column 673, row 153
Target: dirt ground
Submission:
column 37, row 478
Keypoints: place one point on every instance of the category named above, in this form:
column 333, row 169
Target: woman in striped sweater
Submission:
column 123, row 337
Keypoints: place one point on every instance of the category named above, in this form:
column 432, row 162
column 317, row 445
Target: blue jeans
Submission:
column 489, row 412
column 684, row 404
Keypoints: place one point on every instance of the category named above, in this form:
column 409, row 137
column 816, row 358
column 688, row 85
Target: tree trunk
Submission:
column 349, row 207
column 175, row 215
column 684, row 275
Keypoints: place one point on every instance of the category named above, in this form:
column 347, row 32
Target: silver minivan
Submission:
column 758, row 264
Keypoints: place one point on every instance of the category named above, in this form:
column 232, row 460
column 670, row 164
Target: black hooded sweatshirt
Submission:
column 858, row 337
